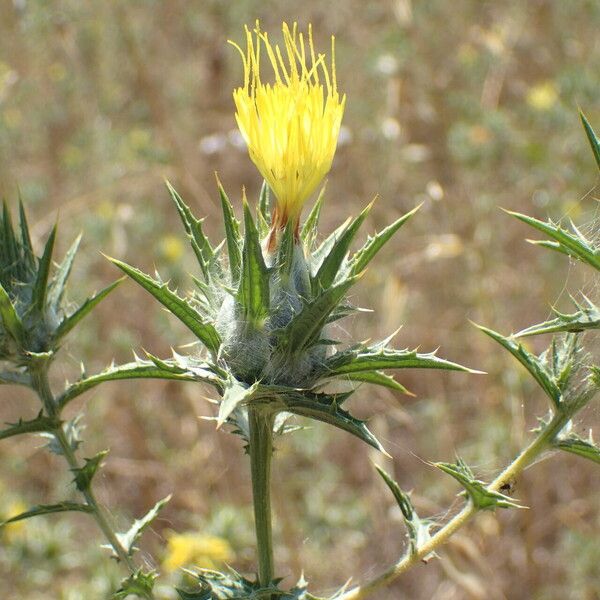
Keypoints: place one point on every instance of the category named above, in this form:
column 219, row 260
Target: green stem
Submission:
column 524, row 459
column 261, row 451
column 39, row 377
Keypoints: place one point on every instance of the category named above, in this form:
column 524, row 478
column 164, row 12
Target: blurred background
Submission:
column 468, row 106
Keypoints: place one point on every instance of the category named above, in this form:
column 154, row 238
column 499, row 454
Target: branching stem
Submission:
column 524, row 459
column 39, row 376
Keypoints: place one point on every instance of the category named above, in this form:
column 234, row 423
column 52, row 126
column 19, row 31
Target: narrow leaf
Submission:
column 179, row 307
column 57, row 287
column 75, row 317
column 130, row 537
column 479, row 494
column 531, row 362
column 332, row 262
column 253, row 292
column 592, row 137
column 374, row 244
column 586, row 318
column 235, row 394
column 310, row 228
column 573, row 244
column 584, row 448
column 85, row 474
column 232, row 235
column 10, row 318
column 39, row 424
column 47, row 509
column 40, row 287
column 378, row 378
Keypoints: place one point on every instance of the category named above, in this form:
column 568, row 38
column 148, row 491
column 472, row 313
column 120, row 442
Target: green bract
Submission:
column 265, row 317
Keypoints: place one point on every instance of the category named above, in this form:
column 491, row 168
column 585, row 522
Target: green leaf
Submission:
column 532, row 363
column 592, row 137
column 76, row 316
column 367, row 359
column 9, row 247
column 234, row 394
column 573, row 244
column 179, row 307
column 130, row 537
column 57, row 287
column 200, row 244
column 202, row 594
column 326, row 408
column 285, row 253
column 40, row 287
column 310, row 229
column 374, row 244
column 332, row 262
column 479, row 494
column 253, row 292
column 576, row 445
column 305, row 328
column 85, row 474
column 25, row 237
column 418, row 529
column 585, row 318
column 232, row 235
column 47, row 509
column 39, row 424
column 140, row 583
column 378, row 378
column 11, row 320
column 264, row 208
column 134, row 370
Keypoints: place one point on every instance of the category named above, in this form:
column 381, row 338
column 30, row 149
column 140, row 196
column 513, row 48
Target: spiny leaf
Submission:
column 374, row 244
column 179, row 307
column 592, row 137
column 333, row 261
column 573, row 244
column 200, row 244
column 41, row 282
column 47, row 509
column 418, row 529
column 133, row 370
column 130, row 537
column 264, row 208
column 531, row 362
column 377, row 378
column 577, row 445
column 232, row 235
column 76, row 316
column 57, row 287
column 140, row 583
column 308, row 235
column 367, row 359
column 304, row 329
column 585, row 318
column 25, row 237
column 325, row 408
column 39, row 424
column 479, row 494
column 253, row 292
column 10, row 318
column 235, row 394
column 85, row 474
column 9, row 242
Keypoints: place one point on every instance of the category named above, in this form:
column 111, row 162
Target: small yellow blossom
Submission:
column 542, row 96
column 197, row 550
column 171, row 248
column 13, row 531
column 291, row 126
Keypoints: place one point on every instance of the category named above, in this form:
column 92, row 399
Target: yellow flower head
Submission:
column 196, row 549
column 290, row 126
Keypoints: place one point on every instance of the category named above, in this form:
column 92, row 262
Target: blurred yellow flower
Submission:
column 171, row 248
column 13, row 531
column 196, row 549
column 542, row 96
column 291, row 127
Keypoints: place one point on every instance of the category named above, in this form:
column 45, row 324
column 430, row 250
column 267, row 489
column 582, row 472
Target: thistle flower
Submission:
column 291, row 127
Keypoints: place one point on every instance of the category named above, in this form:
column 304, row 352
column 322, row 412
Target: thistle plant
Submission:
column 263, row 310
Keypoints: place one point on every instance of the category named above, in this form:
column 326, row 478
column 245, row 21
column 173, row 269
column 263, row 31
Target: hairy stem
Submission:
column 261, row 450
column 40, row 382
column 524, row 459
